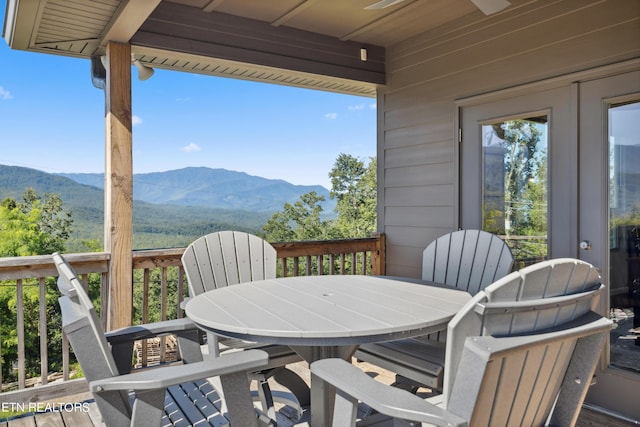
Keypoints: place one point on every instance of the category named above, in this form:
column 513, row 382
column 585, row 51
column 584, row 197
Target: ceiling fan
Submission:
column 488, row 7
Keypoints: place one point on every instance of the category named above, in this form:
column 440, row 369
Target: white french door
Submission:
column 609, row 178
column 510, row 146
column 556, row 172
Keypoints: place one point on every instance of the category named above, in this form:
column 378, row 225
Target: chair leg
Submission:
column 148, row 408
column 266, row 398
column 238, row 398
column 123, row 354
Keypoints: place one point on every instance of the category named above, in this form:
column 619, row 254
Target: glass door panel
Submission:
column 560, row 170
column 514, row 185
column 624, row 233
column 609, row 205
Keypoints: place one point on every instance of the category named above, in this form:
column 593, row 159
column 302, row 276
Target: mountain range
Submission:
column 213, row 188
column 171, row 209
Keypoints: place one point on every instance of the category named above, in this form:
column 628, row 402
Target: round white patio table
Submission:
column 326, row 316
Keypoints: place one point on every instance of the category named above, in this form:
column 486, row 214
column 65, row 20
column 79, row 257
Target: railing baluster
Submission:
column 20, row 326
column 145, row 313
column 163, row 311
column 308, row 265
column 180, row 291
column 42, row 329
column 104, row 299
column 354, row 261
column 364, row 263
column 65, row 357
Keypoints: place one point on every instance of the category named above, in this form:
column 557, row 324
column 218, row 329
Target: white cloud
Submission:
column 191, row 147
column 5, row 94
column 136, row 120
column 356, row 107
column 331, row 116
column 373, row 106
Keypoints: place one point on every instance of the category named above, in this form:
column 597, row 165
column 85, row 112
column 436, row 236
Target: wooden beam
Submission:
column 128, row 20
column 118, row 189
column 177, row 28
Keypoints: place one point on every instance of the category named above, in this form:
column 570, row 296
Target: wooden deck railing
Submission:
column 159, row 288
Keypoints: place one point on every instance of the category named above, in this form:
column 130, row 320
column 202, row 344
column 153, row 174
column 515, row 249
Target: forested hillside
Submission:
column 155, row 225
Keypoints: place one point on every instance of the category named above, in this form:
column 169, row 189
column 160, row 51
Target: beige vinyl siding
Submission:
column 527, row 43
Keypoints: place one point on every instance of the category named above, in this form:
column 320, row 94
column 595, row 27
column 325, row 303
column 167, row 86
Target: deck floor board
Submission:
column 91, row 418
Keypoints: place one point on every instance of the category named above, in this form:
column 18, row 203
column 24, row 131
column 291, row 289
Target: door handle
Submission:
column 585, row 245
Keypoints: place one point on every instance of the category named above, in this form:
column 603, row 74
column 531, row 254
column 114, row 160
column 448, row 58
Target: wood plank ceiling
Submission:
column 306, row 43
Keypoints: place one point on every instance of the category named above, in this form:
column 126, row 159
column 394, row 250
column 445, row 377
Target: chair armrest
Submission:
column 150, row 330
column 122, row 339
column 387, row 400
column 164, row 377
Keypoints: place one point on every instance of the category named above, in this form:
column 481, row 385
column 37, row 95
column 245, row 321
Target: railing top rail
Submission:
column 13, row 268
column 150, row 258
column 27, row 267
column 317, row 247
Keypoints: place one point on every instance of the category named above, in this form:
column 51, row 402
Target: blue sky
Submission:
column 52, row 119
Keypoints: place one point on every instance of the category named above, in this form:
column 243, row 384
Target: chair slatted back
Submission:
column 515, row 380
column 560, row 276
column 532, row 307
column 227, row 258
column 466, row 259
column 82, row 326
column 71, row 287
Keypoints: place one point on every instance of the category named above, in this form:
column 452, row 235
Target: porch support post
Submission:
column 378, row 256
column 118, row 188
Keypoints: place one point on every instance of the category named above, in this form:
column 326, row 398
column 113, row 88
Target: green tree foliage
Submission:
column 9, row 333
column 522, row 166
column 525, row 189
column 354, row 186
column 154, row 279
column 299, row 221
column 35, row 226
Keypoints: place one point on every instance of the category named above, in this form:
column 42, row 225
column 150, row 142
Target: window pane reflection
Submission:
column 514, row 199
column 624, row 234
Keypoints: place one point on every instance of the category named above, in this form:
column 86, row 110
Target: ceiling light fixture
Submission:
column 144, row 72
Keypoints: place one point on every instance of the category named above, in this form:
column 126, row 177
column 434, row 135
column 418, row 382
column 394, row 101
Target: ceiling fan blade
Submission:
column 382, row 4
column 489, row 7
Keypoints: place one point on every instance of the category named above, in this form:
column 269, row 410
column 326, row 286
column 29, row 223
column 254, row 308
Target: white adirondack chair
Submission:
column 167, row 395
column 534, row 298
column 501, row 380
column 468, row 260
column 228, row 258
